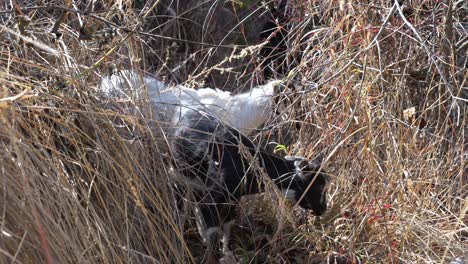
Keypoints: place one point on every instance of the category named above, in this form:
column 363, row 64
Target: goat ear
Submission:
column 313, row 166
column 319, row 159
column 301, row 164
column 277, row 86
column 309, row 168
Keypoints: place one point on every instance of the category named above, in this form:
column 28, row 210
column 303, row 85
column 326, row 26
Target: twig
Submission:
column 4, row 252
column 55, row 28
column 373, row 42
column 15, row 97
column 426, row 49
column 17, row 8
column 29, row 40
column 125, row 29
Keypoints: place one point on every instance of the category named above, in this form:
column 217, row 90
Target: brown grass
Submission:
column 380, row 93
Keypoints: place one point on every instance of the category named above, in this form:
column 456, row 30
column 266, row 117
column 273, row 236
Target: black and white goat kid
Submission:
column 211, row 156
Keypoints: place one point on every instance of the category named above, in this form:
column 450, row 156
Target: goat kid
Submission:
column 209, row 154
column 245, row 112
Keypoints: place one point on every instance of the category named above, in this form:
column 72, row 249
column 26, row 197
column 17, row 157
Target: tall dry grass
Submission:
column 376, row 88
column 80, row 185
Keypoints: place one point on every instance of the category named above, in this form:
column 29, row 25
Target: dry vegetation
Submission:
column 378, row 89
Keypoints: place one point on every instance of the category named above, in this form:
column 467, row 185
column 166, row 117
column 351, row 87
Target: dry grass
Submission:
column 380, row 93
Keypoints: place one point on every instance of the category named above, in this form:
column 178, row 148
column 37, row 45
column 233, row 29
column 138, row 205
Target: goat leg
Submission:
column 227, row 227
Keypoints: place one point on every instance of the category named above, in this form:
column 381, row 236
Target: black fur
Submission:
column 210, row 154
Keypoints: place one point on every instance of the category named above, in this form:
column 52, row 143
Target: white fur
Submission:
column 128, row 84
column 245, row 112
column 209, row 233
